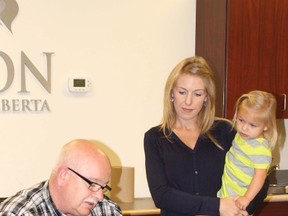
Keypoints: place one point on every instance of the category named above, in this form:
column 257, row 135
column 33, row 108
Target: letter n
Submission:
column 25, row 61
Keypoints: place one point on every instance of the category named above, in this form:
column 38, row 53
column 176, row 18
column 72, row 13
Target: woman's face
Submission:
column 189, row 96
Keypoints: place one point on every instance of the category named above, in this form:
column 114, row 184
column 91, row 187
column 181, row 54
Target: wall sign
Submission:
column 8, row 12
column 24, row 105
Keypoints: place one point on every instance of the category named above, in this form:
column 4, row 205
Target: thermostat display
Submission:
column 79, row 84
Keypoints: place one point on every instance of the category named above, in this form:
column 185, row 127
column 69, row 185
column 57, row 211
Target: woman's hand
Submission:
column 228, row 207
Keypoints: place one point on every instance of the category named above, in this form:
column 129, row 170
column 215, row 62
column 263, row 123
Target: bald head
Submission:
column 81, row 153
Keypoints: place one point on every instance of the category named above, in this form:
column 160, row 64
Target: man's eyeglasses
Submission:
column 93, row 186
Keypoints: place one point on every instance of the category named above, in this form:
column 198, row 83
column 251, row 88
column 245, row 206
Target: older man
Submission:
column 76, row 186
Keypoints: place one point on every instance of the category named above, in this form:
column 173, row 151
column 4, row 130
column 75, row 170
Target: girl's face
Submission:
column 189, row 95
column 249, row 124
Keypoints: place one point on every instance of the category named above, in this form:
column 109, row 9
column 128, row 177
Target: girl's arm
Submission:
column 253, row 189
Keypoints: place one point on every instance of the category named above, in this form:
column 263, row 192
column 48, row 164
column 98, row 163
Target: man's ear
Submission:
column 62, row 175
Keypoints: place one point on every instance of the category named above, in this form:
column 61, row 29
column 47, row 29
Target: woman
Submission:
column 185, row 154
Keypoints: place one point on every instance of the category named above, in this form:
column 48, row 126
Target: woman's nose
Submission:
column 188, row 99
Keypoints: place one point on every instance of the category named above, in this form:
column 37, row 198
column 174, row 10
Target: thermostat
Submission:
column 79, row 84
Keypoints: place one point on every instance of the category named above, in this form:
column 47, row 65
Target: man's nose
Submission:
column 98, row 194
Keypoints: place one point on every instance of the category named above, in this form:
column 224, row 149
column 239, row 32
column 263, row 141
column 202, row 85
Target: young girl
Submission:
column 249, row 158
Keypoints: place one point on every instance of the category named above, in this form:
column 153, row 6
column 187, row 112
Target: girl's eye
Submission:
column 240, row 120
column 252, row 125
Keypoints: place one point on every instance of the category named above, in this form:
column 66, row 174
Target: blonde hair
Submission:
column 194, row 66
column 265, row 105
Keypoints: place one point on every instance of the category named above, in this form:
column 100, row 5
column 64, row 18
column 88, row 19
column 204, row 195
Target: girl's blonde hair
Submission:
column 265, row 105
column 194, row 66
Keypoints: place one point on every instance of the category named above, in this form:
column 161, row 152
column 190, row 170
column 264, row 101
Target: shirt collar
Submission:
column 49, row 202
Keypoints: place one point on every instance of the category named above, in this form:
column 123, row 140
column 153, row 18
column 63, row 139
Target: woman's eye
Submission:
column 199, row 93
column 181, row 92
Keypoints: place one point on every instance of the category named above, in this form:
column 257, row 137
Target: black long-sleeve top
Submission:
column 183, row 181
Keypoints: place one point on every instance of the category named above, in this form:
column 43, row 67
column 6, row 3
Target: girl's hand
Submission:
column 228, row 207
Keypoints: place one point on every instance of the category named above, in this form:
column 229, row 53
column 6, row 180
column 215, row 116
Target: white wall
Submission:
column 127, row 47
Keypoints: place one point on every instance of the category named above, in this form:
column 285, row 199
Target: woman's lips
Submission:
column 187, row 110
